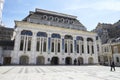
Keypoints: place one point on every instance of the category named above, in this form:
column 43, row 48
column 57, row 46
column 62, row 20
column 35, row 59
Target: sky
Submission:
column 88, row 12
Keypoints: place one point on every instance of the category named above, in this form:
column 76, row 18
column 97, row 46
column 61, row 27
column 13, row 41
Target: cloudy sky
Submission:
column 89, row 12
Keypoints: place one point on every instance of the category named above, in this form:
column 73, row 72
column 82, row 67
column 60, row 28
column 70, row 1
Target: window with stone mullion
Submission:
column 29, row 44
column 44, row 45
column 22, row 43
column 71, row 46
column 52, row 46
column 66, row 46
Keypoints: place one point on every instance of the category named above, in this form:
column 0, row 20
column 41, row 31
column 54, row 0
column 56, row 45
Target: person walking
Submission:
column 113, row 66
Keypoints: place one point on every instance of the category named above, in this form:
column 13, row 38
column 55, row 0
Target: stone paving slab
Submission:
column 58, row 73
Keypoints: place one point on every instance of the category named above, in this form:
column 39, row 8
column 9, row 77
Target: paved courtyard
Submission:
column 58, row 73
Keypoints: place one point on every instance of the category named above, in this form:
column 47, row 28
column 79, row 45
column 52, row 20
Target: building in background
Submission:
column 6, row 44
column 109, row 35
column 107, row 31
column 111, row 52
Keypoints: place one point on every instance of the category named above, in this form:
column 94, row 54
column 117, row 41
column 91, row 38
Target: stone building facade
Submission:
column 47, row 37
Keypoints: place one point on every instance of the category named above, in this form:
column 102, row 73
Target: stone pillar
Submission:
column 33, row 48
column 49, row 43
column 74, row 45
column 15, row 55
column 62, row 42
column 95, row 51
column 90, row 48
column 85, row 50
column 48, row 48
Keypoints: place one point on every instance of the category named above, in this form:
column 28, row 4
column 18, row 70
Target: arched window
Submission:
column 50, row 18
column 89, row 39
column 42, row 34
column 68, row 37
column 25, row 43
column 79, row 40
column 26, row 32
column 68, row 43
column 66, row 21
column 54, row 35
column 56, row 19
column 45, row 17
column 55, row 46
column 90, row 47
column 61, row 20
column 41, row 43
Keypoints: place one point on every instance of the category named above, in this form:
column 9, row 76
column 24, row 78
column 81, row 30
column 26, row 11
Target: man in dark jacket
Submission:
column 112, row 66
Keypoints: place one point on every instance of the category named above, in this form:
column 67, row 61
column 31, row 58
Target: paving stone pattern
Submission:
column 58, row 73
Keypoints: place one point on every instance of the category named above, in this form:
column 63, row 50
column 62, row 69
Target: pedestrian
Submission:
column 112, row 66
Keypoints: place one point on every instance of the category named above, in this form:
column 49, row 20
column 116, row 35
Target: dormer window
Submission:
column 50, row 18
column 45, row 17
column 61, row 20
column 66, row 21
column 56, row 19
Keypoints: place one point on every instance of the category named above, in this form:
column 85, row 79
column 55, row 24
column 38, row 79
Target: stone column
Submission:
column 48, row 48
column 95, row 51
column 15, row 54
column 74, row 45
column 62, row 47
column 33, row 48
column 49, row 43
column 85, row 50
column 90, row 48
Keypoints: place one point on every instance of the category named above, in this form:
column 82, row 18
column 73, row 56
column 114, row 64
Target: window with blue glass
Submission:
column 26, row 32
column 54, row 35
column 42, row 34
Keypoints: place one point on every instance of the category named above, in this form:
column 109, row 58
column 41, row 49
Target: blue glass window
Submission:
column 42, row 34
column 68, row 37
column 56, row 35
column 79, row 38
column 26, row 32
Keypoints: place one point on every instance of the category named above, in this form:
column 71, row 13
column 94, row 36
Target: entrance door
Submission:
column 40, row 60
column 55, row 61
column 68, row 61
column 80, row 60
column 90, row 60
column 7, row 60
column 24, row 60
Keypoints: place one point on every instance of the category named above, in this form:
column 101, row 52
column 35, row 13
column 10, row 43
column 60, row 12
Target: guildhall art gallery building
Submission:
column 47, row 37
